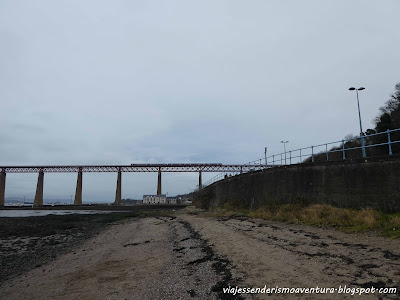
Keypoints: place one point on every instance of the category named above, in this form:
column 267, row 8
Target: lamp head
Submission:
column 352, row 89
column 361, row 88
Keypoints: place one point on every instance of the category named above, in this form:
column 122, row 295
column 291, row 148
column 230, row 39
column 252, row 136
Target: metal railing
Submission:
column 376, row 144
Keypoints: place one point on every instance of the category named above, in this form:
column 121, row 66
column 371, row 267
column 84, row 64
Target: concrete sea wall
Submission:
column 374, row 184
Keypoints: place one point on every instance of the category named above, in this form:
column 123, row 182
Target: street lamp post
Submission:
column 284, row 147
column 359, row 117
column 265, row 152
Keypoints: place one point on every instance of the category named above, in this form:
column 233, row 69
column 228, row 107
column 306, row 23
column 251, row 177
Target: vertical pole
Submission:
column 361, row 131
column 159, row 182
column 200, row 181
column 265, row 153
column 39, row 190
column 326, row 152
column 300, row 156
column 118, row 200
column 312, row 153
column 273, row 159
column 290, row 157
column 344, row 155
column 389, row 142
column 78, row 191
column 2, row 186
column 284, row 146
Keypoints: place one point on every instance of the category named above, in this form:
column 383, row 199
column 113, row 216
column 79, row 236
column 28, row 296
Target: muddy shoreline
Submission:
column 139, row 207
column 30, row 242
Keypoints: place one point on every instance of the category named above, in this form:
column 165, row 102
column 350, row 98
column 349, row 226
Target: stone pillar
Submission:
column 2, row 187
column 159, row 182
column 118, row 200
column 78, row 191
column 39, row 191
column 200, row 181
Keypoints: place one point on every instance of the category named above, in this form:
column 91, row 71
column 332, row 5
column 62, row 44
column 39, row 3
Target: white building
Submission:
column 155, row 199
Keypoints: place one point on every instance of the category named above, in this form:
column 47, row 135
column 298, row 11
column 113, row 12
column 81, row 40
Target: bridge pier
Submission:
column 200, row 181
column 39, row 191
column 78, row 191
column 118, row 200
column 159, row 182
column 2, row 187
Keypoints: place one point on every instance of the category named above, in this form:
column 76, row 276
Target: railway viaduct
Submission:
column 119, row 169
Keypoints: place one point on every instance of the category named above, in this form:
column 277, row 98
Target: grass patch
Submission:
column 322, row 215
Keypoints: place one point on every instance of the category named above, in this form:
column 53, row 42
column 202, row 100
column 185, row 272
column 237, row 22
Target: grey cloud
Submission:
column 185, row 81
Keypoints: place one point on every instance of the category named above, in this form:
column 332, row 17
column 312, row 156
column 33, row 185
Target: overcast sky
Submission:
column 121, row 82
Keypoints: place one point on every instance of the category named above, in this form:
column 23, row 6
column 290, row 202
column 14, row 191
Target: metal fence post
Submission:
column 363, row 145
column 389, row 142
column 344, row 155
column 300, row 156
column 312, row 153
column 326, row 152
column 290, row 157
column 273, row 159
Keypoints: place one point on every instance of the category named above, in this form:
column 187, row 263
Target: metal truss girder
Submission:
column 135, row 168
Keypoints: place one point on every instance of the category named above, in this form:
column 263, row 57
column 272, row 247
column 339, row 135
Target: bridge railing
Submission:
column 384, row 143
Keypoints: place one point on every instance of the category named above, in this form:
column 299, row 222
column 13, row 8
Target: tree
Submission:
column 389, row 117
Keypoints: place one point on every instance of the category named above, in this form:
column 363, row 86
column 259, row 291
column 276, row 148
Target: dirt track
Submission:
column 192, row 257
